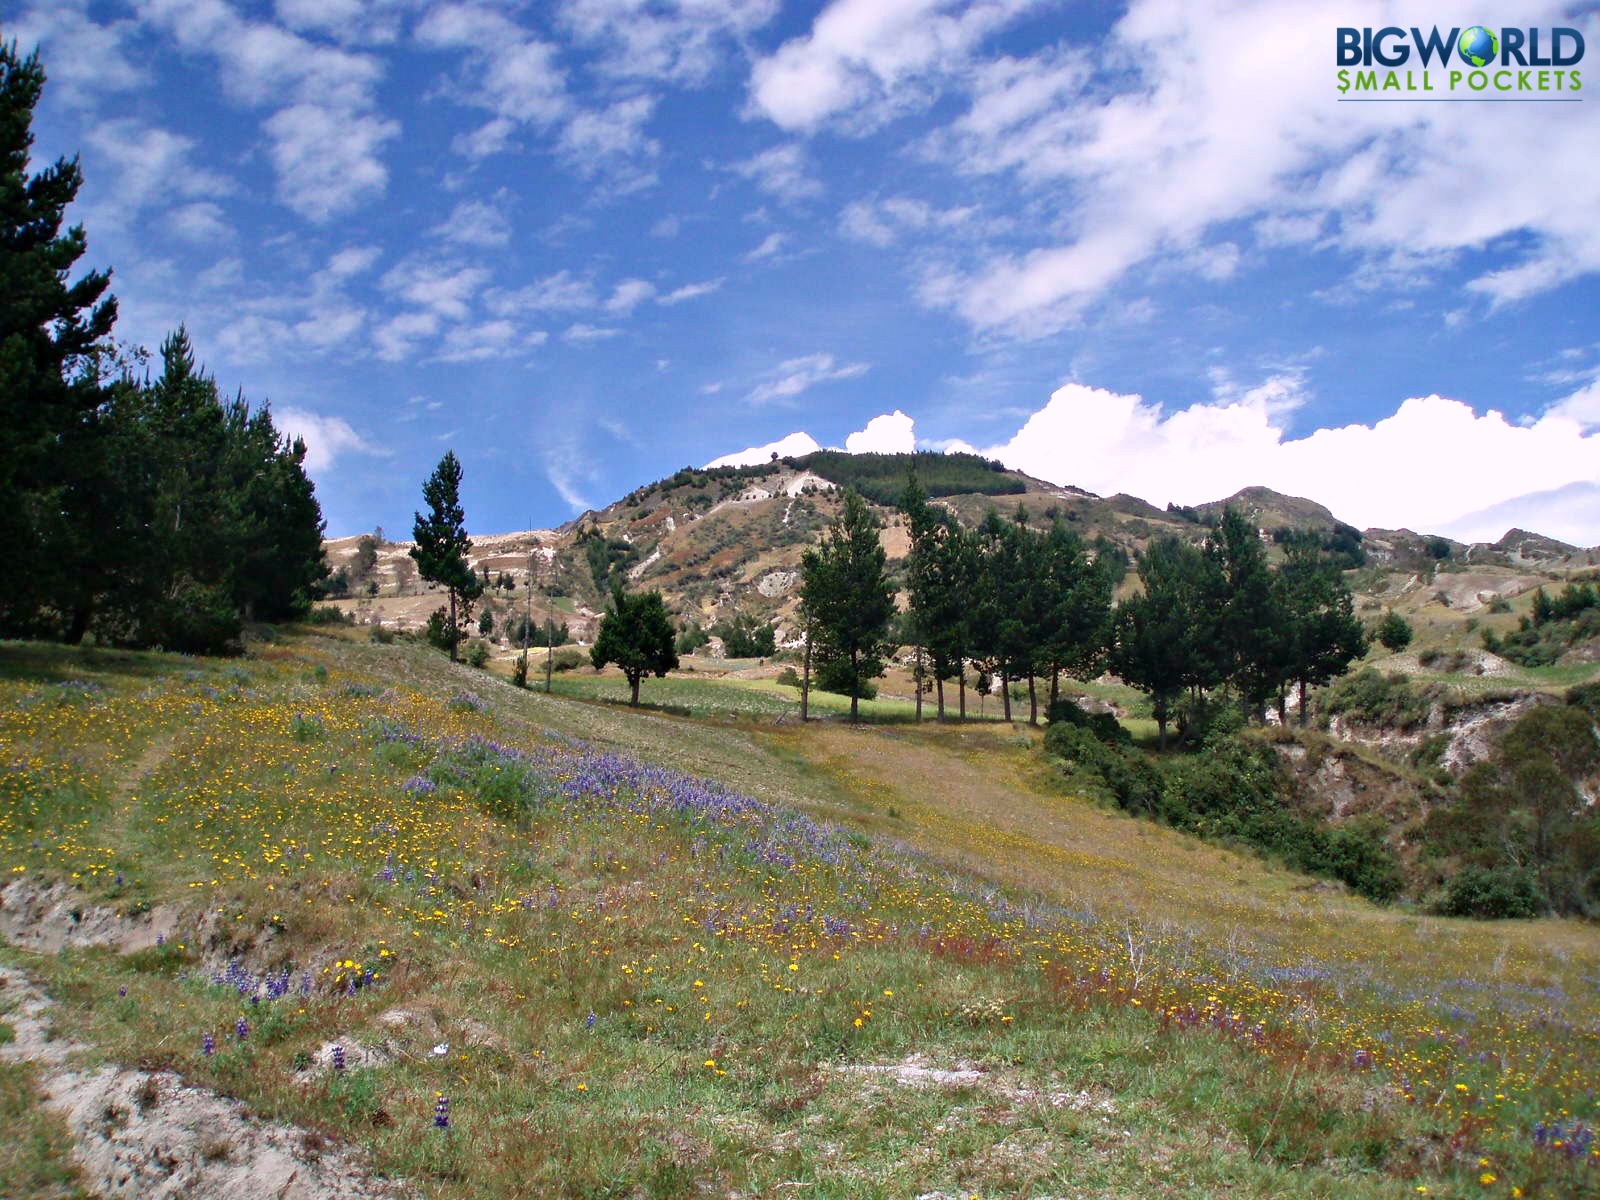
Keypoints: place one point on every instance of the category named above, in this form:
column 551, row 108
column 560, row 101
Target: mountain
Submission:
column 717, row 539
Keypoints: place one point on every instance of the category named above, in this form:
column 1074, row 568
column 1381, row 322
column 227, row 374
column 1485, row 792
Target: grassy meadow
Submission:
column 700, row 952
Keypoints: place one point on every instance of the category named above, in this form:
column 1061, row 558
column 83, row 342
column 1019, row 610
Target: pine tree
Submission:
column 51, row 333
column 1159, row 638
column 1321, row 633
column 442, row 545
column 1247, row 620
column 637, row 635
column 1076, row 606
column 847, row 596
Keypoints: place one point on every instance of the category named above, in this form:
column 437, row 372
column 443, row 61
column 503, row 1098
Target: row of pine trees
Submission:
column 1025, row 605
column 149, row 511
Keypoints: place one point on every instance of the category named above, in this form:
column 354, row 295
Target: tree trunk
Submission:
column 1055, row 685
column 938, row 686
column 1033, row 701
column 453, row 632
column 79, row 625
column 1283, row 707
column 855, row 689
column 805, row 681
column 961, row 674
column 1005, row 695
column 1161, row 726
column 1303, row 710
column 633, row 682
column 918, row 682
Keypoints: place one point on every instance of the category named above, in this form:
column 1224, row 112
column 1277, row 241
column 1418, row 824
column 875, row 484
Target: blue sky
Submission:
column 586, row 242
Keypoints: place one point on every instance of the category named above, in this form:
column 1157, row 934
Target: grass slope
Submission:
column 627, row 982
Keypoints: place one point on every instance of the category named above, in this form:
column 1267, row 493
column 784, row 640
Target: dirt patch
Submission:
column 51, row 917
column 149, row 1134
column 917, row 1071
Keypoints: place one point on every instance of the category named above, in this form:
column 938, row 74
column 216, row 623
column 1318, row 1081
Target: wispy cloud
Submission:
column 796, row 375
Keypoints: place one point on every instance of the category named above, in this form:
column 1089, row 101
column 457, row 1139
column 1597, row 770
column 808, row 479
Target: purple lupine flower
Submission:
column 441, row 1112
column 588, row 1022
column 241, row 1029
column 338, row 1058
column 208, row 1045
column 122, row 991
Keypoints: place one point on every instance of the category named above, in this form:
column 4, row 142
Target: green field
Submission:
column 652, row 985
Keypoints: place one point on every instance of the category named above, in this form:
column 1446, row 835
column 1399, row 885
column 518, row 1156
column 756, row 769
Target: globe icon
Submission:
column 1479, row 46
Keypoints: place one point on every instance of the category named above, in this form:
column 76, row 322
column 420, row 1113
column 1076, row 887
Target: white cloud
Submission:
column 554, row 293
column 515, row 75
column 876, row 57
column 677, row 41
column 326, row 139
column 880, row 222
column 477, row 222
column 1147, row 163
column 781, row 171
column 769, row 246
column 151, row 166
column 1426, row 466
column 1582, row 406
column 397, row 337
column 442, row 288
column 797, row 375
column 352, row 261
column 200, row 222
column 583, row 334
column 890, row 433
column 691, row 291
column 326, row 438
column 327, row 159
column 330, row 325
column 480, row 340
column 628, row 295
column 795, row 445
column 1566, row 513
column 85, row 59
column 611, row 142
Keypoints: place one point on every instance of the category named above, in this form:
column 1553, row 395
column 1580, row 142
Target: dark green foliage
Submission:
column 1234, row 790
column 549, row 632
column 52, row 335
column 1556, row 624
column 1587, row 697
column 1491, row 893
column 477, row 654
column 442, row 546
column 1370, row 697
column 439, row 632
column 847, row 598
column 1160, row 643
column 1103, row 725
column 692, row 638
column 744, row 635
column 1246, row 614
column 1340, row 545
column 608, row 558
column 485, row 623
column 637, row 635
column 839, row 677
column 1394, row 632
column 1523, row 808
column 1318, row 636
column 881, row 477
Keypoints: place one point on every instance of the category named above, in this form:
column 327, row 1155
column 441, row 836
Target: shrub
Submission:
column 477, row 654
column 329, row 614
column 1103, row 725
column 1110, row 770
column 788, row 677
column 1394, row 632
column 1491, row 893
column 1370, row 697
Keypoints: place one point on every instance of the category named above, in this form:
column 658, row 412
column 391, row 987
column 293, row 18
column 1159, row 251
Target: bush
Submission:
column 439, row 633
column 1491, row 893
column 328, row 614
column 1103, row 725
column 1394, row 632
column 1110, row 770
column 477, row 654
column 788, row 677
column 836, row 677
column 1371, row 698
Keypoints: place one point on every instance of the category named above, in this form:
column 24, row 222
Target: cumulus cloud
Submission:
column 86, row 59
column 783, row 171
column 890, row 433
column 793, row 446
column 797, row 375
column 326, row 139
column 881, row 222
column 1148, row 164
column 676, row 41
column 628, row 295
column 1427, row 466
column 584, row 334
column 478, row 222
column 326, row 438
column 870, row 59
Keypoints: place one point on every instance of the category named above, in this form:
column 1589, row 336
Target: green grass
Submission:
column 963, row 911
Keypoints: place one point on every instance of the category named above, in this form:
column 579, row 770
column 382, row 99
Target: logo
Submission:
column 1478, row 46
column 1511, row 64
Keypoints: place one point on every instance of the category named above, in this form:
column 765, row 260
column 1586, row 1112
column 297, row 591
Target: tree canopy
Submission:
column 848, row 599
column 637, row 635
